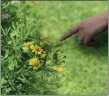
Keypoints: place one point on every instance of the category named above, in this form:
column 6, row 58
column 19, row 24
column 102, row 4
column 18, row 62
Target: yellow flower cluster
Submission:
column 34, row 48
column 35, row 63
column 59, row 68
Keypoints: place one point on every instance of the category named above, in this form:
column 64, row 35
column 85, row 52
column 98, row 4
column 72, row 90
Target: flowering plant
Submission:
column 27, row 60
column 30, row 64
column 38, row 56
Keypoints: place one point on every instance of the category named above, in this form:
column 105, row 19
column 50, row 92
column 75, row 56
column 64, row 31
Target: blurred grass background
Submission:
column 87, row 66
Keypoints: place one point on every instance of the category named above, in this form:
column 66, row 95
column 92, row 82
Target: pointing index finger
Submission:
column 70, row 33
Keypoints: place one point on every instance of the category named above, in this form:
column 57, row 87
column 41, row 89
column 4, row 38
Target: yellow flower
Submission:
column 27, row 46
column 32, row 47
column 9, row 42
column 35, row 63
column 59, row 68
column 37, row 49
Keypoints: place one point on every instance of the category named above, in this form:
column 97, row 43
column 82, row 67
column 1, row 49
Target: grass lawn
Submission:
column 87, row 66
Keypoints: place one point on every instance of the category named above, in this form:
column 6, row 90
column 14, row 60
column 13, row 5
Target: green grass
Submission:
column 87, row 66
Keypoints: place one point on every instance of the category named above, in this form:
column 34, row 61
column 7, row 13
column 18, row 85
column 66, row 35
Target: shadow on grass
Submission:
column 100, row 49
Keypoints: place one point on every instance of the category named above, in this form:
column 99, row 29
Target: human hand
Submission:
column 88, row 29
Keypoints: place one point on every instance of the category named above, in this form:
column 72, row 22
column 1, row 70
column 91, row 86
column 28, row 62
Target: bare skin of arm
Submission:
column 88, row 28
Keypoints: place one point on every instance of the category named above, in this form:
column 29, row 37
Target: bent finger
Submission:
column 87, row 40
